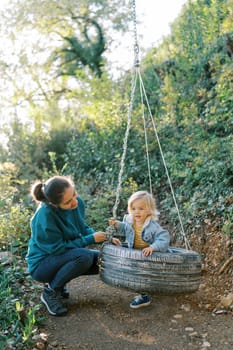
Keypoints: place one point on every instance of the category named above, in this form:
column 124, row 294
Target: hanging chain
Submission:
column 130, row 110
column 136, row 46
column 122, row 164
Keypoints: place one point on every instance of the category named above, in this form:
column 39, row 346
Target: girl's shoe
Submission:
column 140, row 300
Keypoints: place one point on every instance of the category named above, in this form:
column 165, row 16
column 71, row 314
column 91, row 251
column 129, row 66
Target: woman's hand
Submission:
column 147, row 251
column 99, row 237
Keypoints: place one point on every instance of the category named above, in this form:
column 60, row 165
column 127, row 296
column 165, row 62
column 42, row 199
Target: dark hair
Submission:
column 52, row 191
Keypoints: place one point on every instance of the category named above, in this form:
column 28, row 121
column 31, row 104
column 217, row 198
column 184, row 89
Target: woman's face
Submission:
column 69, row 200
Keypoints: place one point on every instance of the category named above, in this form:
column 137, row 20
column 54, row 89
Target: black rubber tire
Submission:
column 173, row 272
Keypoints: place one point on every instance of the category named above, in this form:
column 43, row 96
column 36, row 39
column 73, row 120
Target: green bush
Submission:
column 15, row 229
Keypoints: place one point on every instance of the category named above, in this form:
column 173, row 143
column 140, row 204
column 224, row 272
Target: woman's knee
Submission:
column 85, row 256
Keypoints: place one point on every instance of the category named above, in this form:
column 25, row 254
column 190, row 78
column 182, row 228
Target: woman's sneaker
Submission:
column 140, row 300
column 52, row 301
column 65, row 293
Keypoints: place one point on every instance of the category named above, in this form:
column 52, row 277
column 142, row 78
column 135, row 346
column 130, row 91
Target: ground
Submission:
column 100, row 317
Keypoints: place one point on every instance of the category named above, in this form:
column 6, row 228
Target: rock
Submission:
column 55, row 343
column 225, row 303
column 40, row 346
column 186, row 308
column 206, row 344
column 6, row 258
column 178, row 316
column 189, row 329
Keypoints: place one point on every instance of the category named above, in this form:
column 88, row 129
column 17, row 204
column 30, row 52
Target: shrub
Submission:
column 15, row 229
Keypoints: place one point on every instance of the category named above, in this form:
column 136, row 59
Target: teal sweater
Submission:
column 54, row 230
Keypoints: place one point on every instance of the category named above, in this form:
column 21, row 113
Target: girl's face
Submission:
column 139, row 211
column 69, row 200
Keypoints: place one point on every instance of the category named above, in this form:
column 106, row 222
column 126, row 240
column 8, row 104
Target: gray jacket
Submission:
column 152, row 233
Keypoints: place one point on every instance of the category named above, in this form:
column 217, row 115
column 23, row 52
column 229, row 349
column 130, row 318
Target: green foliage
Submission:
column 194, row 106
column 15, row 229
column 100, row 206
column 228, row 227
column 75, row 55
column 8, row 180
column 33, row 158
column 18, row 320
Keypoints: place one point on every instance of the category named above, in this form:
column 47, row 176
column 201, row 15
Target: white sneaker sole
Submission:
column 140, row 305
column 44, row 302
column 49, row 310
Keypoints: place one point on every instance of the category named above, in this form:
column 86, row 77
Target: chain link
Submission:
column 130, row 110
column 122, row 164
column 136, row 46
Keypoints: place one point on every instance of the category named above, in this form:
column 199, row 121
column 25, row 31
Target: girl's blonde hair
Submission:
column 149, row 200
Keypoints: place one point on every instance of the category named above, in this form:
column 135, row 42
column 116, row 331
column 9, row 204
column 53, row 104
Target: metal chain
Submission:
column 122, row 164
column 130, row 110
column 136, row 46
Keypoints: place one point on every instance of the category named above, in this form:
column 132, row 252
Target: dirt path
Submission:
column 100, row 318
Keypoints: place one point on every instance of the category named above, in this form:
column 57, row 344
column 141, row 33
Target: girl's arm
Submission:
column 161, row 239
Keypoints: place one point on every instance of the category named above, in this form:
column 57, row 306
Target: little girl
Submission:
column 142, row 231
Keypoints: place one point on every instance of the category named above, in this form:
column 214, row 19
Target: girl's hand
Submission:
column 147, row 251
column 113, row 222
column 116, row 241
column 99, row 237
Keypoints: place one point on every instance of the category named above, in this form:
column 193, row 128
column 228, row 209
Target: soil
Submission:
column 99, row 315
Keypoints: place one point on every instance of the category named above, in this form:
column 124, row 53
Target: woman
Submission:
column 56, row 250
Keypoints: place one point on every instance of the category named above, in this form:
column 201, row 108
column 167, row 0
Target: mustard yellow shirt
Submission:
column 138, row 241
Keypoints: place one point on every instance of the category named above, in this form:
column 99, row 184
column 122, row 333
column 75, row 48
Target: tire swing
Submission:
column 176, row 271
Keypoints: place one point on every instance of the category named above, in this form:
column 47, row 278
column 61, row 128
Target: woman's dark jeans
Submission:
column 57, row 270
